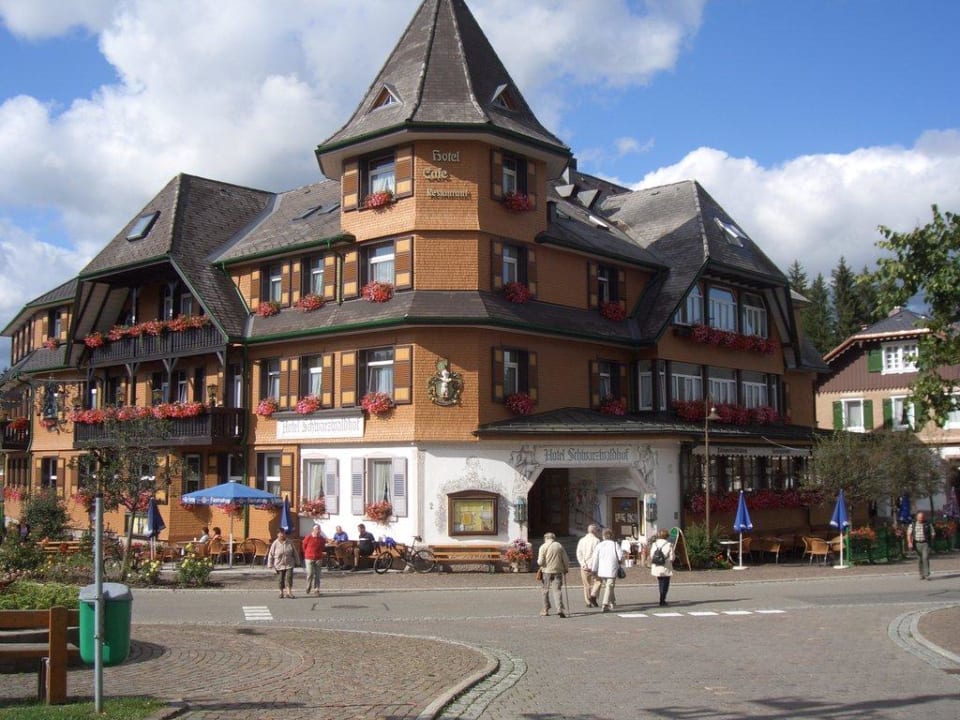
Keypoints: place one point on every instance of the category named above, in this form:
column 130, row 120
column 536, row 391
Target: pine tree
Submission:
column 798, row 278
column 847, row 306
column 817, row 319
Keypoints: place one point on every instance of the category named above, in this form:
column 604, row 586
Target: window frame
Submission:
column 846, row 404
column 371, row 261
column 271, row 379
column 692, row 383
column 487, row 502
column 375, row 169
column 380, row 365
column 312, row 376
column 753, row 315
column 191, row 483
column 690, row 311
column 907, row 409
column 266, row 481
column 895, row 357
column 722, row 312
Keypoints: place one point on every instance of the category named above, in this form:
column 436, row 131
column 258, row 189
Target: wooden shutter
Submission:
column 326, row 381
column 837, row 415
column 199, row 391
column 496, row 175
column 593, row 285
column 887, row 413
column 356, row 486
column 351, row 274
column 286, row 274
column 348, row 378
column 496, row 265
column 622, row 386
column 531, row 270
column 497, row 375
column 868, row 414
column 286, row 474
column 262, row 375
column 622, row 288
column 531, row 183
column 875, row 360
column 330, row 277
column 403, row 263
column 400, row 487
column 285, row 385
column 265, row 282
column 303, row 377
column 532, row 375
column 350, row 185
column 403, row 171
column 595, row 384
column 299, row 271
column 255, row 288
column 331, row 486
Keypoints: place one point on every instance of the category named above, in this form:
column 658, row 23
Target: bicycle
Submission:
column 421, row 560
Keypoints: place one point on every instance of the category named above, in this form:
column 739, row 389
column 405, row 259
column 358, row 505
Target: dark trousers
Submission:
column 664, row 582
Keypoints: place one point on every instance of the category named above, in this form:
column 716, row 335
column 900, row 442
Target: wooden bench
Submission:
column 61, row 547
column 489, row 555
column 53, row 654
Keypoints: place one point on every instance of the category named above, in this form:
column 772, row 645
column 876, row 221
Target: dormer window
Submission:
column 503, row 98
column 734, row 235
column 141, row 228
column 386, row 98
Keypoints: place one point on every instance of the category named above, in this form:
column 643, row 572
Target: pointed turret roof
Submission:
column 442, row 75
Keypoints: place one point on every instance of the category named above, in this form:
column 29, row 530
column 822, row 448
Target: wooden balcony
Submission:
column 191, row 341
column 216, row 426
column 11, row 439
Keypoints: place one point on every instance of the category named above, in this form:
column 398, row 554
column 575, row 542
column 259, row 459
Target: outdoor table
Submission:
column 728, row 546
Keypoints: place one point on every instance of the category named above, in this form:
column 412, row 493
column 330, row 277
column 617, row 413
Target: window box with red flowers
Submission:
column 309, row 303
column 517, row 202
column 516, row 292
column 378, row 292
column 378, row 200
column 519, row 403
column 613, row 311
column 308, row 404
column 376, row 403
column 20, row 423
column 51, row 343
column 379, row 511
column 313, row 508
column 707, row 335
column 176, row 410
column 94, row 340
column 267, row 407
column 268, row 309
column 613, row 406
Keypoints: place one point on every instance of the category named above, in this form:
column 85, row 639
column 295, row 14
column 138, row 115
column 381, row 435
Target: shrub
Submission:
column 194, row 571
column 45, row 514
column 703, row 548
column 29, row 595
column 17, row 555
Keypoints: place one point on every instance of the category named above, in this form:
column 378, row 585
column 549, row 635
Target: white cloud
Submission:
column 816, row 208
column 39, row 19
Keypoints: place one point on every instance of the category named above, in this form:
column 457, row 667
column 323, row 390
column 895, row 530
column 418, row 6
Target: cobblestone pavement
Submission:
column 276, row 671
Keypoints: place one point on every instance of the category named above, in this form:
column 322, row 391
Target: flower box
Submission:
column 613, row 406
column 519, row 403
column 51, row 343
column 379, row 511
column 267, row 407
column 613, row 311
column 309, row 303
column 314, row 508
column 308, row 404
column 378, row 292
column 518, row 551
column 378, row 200
column 20, row 423
column 516, row 292
column 376, row 403
column 268, row 309
column 707, row 335
column 517, row 202
column 94, row 340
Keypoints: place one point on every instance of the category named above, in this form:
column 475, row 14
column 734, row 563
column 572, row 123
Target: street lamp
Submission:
column 709, row 413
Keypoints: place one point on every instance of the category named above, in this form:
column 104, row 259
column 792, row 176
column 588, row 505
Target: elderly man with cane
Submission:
column 553, row 565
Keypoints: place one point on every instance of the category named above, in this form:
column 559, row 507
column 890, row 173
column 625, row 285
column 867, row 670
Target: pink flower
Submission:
column 308, row 404
column 94, row 340
column 516, row 292
column 517, row 202
column 613, row 311
column 267, row 407
column 613, row 406
column 378, row 200
column 519, row 403
column 309, row 302
column 378, row 292
column 268, row 309
column 376, row 403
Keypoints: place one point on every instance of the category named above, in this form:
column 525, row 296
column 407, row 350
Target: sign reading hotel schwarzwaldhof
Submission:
column 319, row 427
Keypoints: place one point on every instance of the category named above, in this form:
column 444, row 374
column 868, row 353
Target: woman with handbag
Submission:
column 660, row 558
column 605, row 564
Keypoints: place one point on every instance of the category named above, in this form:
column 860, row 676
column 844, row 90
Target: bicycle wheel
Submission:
column 383, row 563
column 423, row 561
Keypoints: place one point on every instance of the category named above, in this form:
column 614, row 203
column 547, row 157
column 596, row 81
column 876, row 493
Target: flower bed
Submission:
column 267, row 407
column 519, row 403
column 379, row 511
column 613, row 311
column 517, row 202
column 516, row 292
column 378, row 292
column 376, row 403
column 309, row 303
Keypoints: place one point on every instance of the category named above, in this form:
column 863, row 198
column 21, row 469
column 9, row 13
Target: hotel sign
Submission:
column 313, row 428
column 433, row 173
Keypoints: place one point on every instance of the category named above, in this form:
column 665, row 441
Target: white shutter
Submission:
column 331, row 487
column 400, row 487
column 356, row 486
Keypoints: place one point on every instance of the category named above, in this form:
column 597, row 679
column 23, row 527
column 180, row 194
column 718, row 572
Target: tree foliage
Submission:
column 45, row 514
column 926, row 261
column 817, row 319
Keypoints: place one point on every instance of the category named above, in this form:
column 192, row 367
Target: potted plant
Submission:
column 309, row 302
column 519, row 554
column 267, row 407
column 516, row 292
column 20, row 423
column 613, row 406
column 519, row 403
column 376, row 403
column 378, row 292
column 51, row 343
column 94, row 340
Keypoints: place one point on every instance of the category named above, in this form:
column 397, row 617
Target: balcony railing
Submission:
column 216, row 426
column 151, row 347
column 12, row 439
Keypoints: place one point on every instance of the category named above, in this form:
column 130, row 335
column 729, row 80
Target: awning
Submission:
column 751, row 451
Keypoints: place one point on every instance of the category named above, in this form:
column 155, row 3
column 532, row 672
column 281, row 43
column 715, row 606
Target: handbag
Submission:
column 621, row 573
column 539, row 574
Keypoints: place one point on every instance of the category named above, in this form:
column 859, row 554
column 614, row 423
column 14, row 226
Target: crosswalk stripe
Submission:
column 257, row 612
column 702, row 613
column 737, row 612
column 771, row 612
column 667, row 614
column 698, row 613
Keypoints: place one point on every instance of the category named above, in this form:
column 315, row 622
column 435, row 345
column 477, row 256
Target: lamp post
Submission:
column 709, row 413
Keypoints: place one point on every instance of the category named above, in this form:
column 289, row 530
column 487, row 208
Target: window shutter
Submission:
column 593, row 285
column 532, row 183
column 263, row 379
column 348, row 378
column 888, row 413
column 350, row 185
column 356, row 486
column 222, row 468
column 531, row 270
column 622, row 385
column 156, row 383
column 403, row 374
column 265, row 282
column 326, row 381
column 400, row 487
column 837, row 415
column 299, row 269
column 594, row 384
column 199, row 389
column 403, row 171
column 261, row 471
column 286, row 474
column 255, row 288
column 868, row 414
column 874, row 360
column 497, row 375
column 403, row 263
column 496, row 175
column 286, row 273
column 285, row 389
column 331, row 486
column 496, row 265
column 622, row 288
column 303, row 382
column 351, row 274
column 330, row 277
column 532, row 389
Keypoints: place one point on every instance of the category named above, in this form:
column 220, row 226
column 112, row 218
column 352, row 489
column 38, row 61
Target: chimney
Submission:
column 895, row 310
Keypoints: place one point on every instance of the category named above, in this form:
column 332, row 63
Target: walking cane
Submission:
column 566, row 593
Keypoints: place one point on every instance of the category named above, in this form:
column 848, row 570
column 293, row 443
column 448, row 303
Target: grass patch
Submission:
column 134, row 708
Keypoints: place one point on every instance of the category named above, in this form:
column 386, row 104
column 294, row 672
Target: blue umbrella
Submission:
column 230, row 493
column 903, row 509
column 742, row 523
column 286, row 521
column 155, row 525
column 840, row 520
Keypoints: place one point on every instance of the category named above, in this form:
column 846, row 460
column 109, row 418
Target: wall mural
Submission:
column 472, row 478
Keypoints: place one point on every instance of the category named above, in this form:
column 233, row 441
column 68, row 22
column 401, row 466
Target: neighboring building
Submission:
column 545, row 340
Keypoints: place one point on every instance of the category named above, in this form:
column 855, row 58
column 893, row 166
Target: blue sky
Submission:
column 811, row 122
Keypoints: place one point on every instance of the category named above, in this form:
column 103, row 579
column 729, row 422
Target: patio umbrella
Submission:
column 286, row 520
column 841, row 521
column 742, row 523
column 155, row 525
column 230, row 493
column 903, row 509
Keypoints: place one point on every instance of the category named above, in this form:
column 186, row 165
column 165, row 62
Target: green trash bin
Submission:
column 117, row 606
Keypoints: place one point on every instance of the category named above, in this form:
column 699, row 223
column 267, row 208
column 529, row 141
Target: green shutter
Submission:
column 837, row 415
column 868, row 414
column 887, row 413
column 874, row 360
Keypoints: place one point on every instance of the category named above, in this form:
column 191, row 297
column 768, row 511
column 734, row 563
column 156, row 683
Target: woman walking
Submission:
column 605, row 565
column 660, row 558
column 283, row 557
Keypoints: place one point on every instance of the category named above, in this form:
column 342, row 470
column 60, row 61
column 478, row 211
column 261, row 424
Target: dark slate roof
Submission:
column 423, row 307
column 810, row 358
column 196, row 217
column 283, row 225
column 444, row 72
column 901, row 322
column 58, row 296
column 575, row 421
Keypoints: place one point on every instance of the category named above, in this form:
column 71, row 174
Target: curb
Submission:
column 173, row 709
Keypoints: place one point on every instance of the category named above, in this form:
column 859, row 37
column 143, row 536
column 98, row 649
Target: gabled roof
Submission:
column 445, row 73
column 901, row 323
column 62, row 294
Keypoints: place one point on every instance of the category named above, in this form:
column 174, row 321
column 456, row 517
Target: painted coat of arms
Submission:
column 445, row 386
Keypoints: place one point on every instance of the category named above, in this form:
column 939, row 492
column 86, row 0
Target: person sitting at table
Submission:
column 340, row 535
column 365, row 546
column 217, row 534
column 204, row 534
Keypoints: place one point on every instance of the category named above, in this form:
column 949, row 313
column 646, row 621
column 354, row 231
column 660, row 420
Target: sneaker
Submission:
column 282, row 596
column 544, row 612
column 562, row 614
column 318, row 593
column 606, row 608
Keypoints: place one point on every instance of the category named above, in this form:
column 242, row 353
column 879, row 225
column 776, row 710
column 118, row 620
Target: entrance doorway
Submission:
column 548, row 506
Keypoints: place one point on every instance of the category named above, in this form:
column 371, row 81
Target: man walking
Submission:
column 554, row 563
column 919, row 536
column 313, row 552
column 585, row 548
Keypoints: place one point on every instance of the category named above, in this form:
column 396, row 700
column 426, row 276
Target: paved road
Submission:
column 789, row 642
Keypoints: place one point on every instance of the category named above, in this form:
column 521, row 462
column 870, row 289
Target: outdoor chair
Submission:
column 258, row 550
column 217, row 550
column 818, row 547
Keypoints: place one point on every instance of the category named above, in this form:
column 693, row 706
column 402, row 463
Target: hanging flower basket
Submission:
column 267, row 407
column 309, row 303
column 20, row 423
column 268, row 309
column 379, row 511
column 308, row 404
column 378, row 292
column 613, row 311
column 314, row 508
column 613, row 406
column 376, row 403
column 51, row 343
column 517, row 202
column 519, row 403
column 94, row 340
column 516, row 292
column 378, row 200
